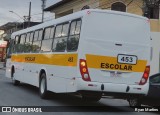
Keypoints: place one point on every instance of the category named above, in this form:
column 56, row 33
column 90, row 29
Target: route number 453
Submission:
column 127, row 59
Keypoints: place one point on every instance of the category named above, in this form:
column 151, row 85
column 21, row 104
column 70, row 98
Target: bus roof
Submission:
column 73, row 16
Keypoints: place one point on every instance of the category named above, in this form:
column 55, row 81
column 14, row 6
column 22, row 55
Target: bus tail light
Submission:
column 145, row 76
column 84, row 70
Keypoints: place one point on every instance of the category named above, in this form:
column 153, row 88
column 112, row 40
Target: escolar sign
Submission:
column 116, row 66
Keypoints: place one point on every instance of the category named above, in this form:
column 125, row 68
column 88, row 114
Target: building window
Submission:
column 154, row 13
column 118, row 6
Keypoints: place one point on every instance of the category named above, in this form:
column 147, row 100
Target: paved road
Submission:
column 26, row 95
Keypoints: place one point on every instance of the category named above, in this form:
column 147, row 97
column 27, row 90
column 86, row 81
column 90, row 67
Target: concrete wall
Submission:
column 155, row 25
column 134, row 7
column 76, row 5
column 155, row 63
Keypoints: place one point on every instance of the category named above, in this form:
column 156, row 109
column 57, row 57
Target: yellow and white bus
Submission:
column 91, row 52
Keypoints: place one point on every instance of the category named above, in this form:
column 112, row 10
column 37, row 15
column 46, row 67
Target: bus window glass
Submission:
column 59, row 44
column 40, row 34
column 17, row 39
column 58, row 31
column 20, row 46
column 47, row 33
column 73, row 40
column 36, row 35
column 47, row 41
column 27, row 37
column 36, row 46
column 78, row 27
column 29, row 46
column 22, row 39
column 60, row 40
column 72, row 44
column 65, row 30
column 31, row 37
column 37, row 41
column 72, row 29
column 26, row 45
column 15, row 46
column 52, row 32
column 46, row 45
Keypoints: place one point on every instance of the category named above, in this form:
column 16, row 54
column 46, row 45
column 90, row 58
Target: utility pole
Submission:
column 43, row 6
column 29, row 16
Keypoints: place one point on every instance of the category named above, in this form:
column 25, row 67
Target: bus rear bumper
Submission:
column 112, row 89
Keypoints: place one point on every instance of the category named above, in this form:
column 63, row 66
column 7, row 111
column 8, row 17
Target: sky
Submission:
column 21, row 8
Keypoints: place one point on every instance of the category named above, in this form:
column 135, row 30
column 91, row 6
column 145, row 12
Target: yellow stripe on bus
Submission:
column 50, row 59
column 111, row 63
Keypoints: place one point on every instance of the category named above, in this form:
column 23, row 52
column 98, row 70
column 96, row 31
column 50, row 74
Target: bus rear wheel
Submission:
column 43, row 86
column 14, row 81
column 134, row 102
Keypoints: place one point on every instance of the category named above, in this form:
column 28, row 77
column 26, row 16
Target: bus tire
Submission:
column 14, row 81
column 134, row 102
column 43, row 86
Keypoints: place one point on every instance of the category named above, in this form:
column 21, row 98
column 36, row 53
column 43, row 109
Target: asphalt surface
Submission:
column 27, row 95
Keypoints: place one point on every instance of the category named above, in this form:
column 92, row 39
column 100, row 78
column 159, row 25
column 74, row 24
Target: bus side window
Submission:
column 47, row 41
column 37, row 41
column 15, row 46
column 61, row 35
column 31, row 41
column 11, row 48
column 21, row 47
column 73, row 40
column 27, row 44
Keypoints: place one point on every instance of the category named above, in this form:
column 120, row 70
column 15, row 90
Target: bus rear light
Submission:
column 84, row 70
column 145, row 76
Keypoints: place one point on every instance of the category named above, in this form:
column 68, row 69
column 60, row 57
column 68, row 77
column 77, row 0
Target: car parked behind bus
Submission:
column 153, row 96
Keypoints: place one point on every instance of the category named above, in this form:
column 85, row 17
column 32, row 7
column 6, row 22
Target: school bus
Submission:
column 92, row 52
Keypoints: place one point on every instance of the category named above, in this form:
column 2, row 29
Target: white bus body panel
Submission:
column 100, row 34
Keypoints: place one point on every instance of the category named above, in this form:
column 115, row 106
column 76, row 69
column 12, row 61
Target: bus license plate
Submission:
column 115, row 74
column 127, row 59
